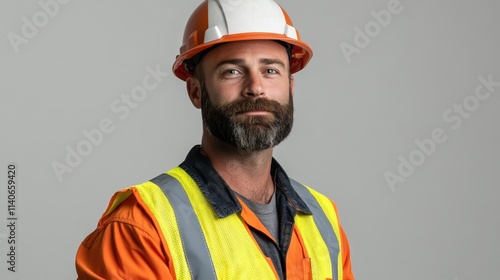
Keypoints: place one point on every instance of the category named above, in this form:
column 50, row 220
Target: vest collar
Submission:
column 218, row 193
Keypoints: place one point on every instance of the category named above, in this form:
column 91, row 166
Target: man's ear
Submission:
column 292, row 84
column 193, row 88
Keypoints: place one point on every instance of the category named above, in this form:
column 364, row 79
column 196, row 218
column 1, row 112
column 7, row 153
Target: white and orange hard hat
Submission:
column 222, row 21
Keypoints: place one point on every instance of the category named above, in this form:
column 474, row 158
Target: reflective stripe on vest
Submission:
column 327, row 225
column 198, row 259
column 203, row 246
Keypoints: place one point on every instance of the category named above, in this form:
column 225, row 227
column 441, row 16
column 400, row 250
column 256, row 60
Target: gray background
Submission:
column 353, row 121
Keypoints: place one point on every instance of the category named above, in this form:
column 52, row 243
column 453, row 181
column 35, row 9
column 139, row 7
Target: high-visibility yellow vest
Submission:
column 204, row 246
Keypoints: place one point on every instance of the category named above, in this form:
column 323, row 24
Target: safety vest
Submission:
column 203, row 246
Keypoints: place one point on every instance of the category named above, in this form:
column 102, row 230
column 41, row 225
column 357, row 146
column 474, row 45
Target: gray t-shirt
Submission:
column 266, row 213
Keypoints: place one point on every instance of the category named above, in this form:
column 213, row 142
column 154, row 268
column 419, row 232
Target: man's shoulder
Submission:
column 129, row 200
column 307, row 193
column 125, row 215
column 300, row 187
column 125, row 205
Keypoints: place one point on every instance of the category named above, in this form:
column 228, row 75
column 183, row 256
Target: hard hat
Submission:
column 222, row 21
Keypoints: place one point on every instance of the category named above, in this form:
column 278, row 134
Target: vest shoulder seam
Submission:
column 132, row 224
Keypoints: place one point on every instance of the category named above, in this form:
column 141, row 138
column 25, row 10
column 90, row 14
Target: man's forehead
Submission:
column 263, row 50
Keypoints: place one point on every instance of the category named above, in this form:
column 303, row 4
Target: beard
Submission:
column 248, row 133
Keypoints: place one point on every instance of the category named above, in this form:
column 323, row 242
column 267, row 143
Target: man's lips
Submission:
column 255, row 112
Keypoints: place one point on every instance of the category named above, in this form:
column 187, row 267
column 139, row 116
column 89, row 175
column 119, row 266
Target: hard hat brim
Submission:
column 301, row 52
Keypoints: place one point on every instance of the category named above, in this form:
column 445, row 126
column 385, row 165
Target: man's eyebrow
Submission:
column 240, row 61
column 269, row 61
column 236, row 61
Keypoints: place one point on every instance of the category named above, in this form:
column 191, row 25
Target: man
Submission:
column 229, row 211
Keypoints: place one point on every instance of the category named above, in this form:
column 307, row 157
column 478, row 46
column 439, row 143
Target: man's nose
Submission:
column 254, row 86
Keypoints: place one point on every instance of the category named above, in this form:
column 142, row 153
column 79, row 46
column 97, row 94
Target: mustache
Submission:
column 258, row 104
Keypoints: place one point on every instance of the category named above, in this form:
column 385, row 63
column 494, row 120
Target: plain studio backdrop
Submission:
column 397, row 120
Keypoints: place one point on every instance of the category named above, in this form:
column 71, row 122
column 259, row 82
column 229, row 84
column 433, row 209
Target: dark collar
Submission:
column 221, row 196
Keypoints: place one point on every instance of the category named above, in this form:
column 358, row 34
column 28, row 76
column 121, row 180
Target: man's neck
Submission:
column 247, row 173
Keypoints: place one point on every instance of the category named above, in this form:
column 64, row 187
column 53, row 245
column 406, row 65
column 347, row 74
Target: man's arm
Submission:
column 346, row 251
column 346, row 254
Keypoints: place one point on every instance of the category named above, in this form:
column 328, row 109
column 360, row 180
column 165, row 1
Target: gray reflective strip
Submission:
column 193, row 241
column 324, row 226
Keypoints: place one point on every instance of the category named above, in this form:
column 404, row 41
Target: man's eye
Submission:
column 231, row 72
column 272, row 71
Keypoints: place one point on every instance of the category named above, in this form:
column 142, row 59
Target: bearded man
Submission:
column 229, row 210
